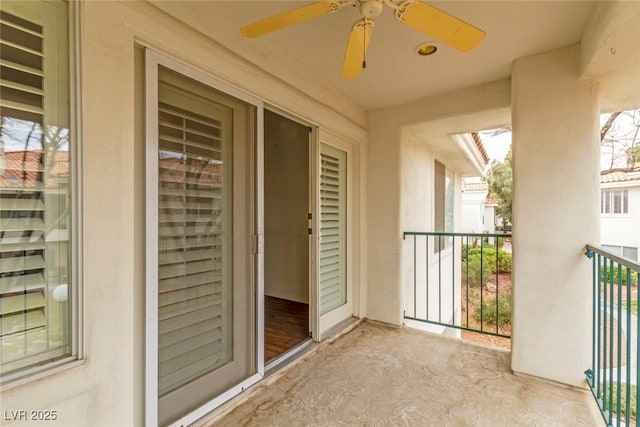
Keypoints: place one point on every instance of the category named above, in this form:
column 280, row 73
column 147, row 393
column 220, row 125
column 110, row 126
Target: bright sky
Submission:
column 497, row 146
column 624, row 131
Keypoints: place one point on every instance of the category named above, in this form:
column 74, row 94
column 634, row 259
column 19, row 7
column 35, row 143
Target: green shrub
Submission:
column 465, row 247
column 489, row 254
column 621, row 412
column 488, row 309
column 613, row 272
column 505, row 262
column 472, row 266
column 468, row 248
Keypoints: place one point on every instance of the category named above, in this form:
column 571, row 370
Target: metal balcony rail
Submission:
column 460, row 281
column 614, row 376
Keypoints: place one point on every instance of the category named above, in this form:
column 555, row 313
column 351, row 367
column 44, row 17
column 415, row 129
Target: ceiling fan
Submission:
column 418, row 15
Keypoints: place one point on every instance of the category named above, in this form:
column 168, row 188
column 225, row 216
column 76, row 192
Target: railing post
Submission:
column 426, row 262
column 415, row 280
column 497, row 286
column 453, row 279
column 628, row 358
column 481, row 284
column 611, row 319
column 466, row 282
column 440, row 279
column 601, row 328
column 619, row 349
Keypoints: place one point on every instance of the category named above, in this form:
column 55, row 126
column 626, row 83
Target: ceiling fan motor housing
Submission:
column 371, row 8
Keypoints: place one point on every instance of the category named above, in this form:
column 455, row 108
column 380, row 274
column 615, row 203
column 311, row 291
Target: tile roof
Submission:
column 475, row 186
column 191, row 171
column 483, row 151
column 24, row 169
column 618, row 175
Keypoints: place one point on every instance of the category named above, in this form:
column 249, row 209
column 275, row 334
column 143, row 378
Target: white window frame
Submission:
column 609, row 194
column 153, row 60
column 448, row 242
column 76, row 356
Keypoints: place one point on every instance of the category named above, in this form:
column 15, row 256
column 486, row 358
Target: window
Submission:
column 34, row 184
column 626, row 251
column 629, row 252
column 614, row 202
column 444, row 187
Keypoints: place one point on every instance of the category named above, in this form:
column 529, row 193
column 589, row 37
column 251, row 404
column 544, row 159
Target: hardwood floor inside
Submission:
column 286, row 324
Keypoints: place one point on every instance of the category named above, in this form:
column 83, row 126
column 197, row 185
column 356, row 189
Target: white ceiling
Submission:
column 395, row 74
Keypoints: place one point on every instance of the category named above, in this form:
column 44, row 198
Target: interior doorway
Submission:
column 286, row 224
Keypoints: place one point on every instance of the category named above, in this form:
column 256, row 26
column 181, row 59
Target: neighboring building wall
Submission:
column 472, row 216
column 489, row 218
column 473, row 209
column 417, row 214
column 623, row 229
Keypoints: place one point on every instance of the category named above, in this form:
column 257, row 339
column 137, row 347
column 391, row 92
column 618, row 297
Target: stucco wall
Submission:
column 555, row 129
column 489, row 219
column 417, row 214
column 395, row 156
column 473, row 211
column 384, row 301
column 108, row 387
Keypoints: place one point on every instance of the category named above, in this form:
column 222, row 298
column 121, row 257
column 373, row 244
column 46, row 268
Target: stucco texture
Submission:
column 380, row 375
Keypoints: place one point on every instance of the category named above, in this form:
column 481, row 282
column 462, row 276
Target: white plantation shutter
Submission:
column 332, row 228
column 194, row 219
column 34, row 172
column 22, row 266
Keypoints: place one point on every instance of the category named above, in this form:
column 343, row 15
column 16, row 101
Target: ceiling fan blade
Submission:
column 357, row 48
column 441, row 26
column 289, row 17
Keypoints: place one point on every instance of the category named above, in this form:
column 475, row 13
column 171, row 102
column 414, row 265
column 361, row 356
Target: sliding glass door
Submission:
column 200, row 285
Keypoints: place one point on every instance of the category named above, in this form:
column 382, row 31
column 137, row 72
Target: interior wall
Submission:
column 286, row 205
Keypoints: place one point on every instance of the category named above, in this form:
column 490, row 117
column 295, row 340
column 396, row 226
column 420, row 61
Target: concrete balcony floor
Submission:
column 380, row 375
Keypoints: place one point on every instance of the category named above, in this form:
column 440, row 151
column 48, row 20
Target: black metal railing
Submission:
column 460, row 281
column 614, row 376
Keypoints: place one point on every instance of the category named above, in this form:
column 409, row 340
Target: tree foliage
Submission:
column 500, row 180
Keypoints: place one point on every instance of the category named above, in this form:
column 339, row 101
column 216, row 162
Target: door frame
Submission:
column 327, row 321
column 314, row 222
column 153, row 60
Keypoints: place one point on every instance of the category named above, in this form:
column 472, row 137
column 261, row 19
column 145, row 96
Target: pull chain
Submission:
column 364, row 46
